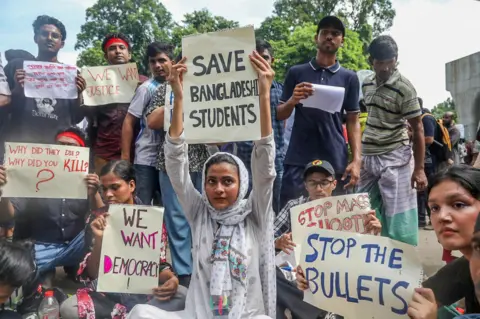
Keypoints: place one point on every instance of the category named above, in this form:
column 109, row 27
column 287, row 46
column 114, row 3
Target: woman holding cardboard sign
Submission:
column 233, row 252
column 118, row 184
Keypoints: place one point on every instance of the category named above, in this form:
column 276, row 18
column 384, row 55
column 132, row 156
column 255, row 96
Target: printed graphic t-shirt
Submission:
column 36, row 120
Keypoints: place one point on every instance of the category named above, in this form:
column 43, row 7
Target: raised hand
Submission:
column 264, row 71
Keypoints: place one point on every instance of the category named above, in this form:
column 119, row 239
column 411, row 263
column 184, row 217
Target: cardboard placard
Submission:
column 131, row 243
column 50, row 80
column 46, row 171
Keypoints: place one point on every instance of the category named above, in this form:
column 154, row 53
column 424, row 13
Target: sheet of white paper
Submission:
column 50, row 80
column 325, row 97
column 282, row 258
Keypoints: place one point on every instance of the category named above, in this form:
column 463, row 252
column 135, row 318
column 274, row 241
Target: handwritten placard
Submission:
column 110, row 84
column 359, row 276
column 344, row 213
column 130, row 259
column 221, row 87
column 50, row 80
column 46, row 171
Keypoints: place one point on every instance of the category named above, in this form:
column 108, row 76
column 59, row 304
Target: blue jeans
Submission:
column 147, row 184
column 48, row 256
column 178, row 229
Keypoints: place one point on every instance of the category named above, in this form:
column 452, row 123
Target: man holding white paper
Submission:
column 320, row 91
column 37, row 120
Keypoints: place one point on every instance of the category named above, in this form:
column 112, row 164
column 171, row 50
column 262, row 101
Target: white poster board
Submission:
column 130, row 259
column 221, row 101
column 50, row 80
column 168, row 113
column 46, row 171
column 344, row 213
column 110, row 84
column 360, row 276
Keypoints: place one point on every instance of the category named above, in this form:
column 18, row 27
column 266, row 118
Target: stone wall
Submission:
column 463, row 83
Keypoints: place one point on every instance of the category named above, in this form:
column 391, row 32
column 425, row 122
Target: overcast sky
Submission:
column 429, row 32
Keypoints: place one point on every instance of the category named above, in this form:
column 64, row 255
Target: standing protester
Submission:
column 56, row 225
column 147, row 141
column 179, row 232
column 244, row 149
column 4, row 88
column 429, row 127
column 37, row 120
column 317, row 133
column 391, row 100
column 449, row 123
column 105, row 121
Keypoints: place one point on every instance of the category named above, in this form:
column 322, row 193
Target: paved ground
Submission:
column 429, row 250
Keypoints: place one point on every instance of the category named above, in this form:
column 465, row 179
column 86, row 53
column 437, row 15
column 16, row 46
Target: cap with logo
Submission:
column 319, row 166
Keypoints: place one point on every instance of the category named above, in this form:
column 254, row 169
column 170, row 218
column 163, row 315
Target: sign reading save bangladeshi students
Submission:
column 46, row 171
column 110, row 84
column 359, row 276
column 130, row 257
column 221, row 101
column 345, row 213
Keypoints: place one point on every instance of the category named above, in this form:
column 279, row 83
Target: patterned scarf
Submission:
column 229, row 249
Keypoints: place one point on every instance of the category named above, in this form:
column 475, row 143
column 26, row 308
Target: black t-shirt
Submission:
column 36, row 120
column 453, row 283
column 429, row 127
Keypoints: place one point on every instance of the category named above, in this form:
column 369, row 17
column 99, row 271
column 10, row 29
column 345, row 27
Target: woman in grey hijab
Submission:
column 233, row 251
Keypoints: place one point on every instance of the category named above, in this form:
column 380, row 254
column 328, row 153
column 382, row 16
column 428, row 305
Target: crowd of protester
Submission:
column 384, row 143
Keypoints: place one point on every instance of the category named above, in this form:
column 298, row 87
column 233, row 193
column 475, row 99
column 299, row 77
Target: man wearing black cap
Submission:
column 391, row 101
column 319, row 181
column 317, row 133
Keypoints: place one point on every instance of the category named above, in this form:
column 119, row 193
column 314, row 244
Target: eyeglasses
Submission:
column 323, row 184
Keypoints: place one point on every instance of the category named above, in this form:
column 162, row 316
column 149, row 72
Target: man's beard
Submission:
column 332, row 50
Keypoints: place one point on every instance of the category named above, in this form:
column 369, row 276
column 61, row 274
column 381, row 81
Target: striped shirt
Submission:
column 389, row 106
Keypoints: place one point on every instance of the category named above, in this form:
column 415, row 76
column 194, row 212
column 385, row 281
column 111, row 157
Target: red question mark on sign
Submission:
column 45, row 179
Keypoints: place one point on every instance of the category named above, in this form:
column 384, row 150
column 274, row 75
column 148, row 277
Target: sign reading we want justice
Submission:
column 221, row 87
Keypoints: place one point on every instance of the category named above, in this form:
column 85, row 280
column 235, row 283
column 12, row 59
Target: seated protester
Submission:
column 118, row 185
column 17, row 268
column 319, row 179
column 233, row 255
column 454, row 201
column 64, row 219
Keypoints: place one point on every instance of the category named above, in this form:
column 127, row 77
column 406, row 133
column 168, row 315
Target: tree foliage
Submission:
column 201, row 21
column 446, row 106
column 366, row 17
column 143, row 21
column 299, row 47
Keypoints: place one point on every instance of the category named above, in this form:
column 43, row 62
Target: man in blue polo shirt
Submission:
column 317, row 133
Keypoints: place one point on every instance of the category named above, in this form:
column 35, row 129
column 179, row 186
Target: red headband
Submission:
column 74, row 136
column 114, row 40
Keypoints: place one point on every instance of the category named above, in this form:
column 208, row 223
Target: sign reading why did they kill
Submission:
column 50, row 80
column 130, row 258
column 359, row 276
column 110, row 84
column 221, row 101
column 344, row 213
column 46, row 171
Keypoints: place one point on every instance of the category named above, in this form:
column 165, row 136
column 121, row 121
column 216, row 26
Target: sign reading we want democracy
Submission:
column 221, row 101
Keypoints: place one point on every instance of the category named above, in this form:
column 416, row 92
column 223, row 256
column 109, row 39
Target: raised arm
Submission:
column 263, row 154
column 176, row 150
